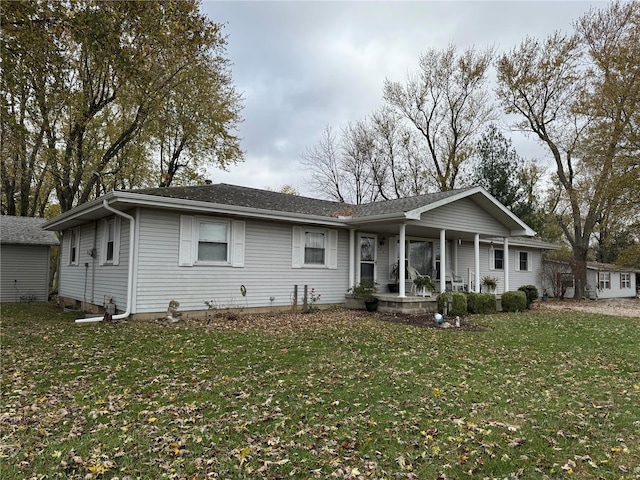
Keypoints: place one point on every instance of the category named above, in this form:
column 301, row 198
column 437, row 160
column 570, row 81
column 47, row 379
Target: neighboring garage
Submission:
column 25, row 249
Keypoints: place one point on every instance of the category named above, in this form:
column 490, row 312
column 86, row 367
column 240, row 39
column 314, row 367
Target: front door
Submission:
column 368, row 257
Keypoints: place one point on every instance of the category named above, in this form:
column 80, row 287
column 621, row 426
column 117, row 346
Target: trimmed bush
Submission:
column 458, row 305
column 531, row 291
column 481, row 303
column 514, row 301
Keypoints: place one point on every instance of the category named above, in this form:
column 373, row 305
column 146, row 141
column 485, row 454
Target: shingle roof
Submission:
column 25, row 231
column 225, row 194
column 403, row 204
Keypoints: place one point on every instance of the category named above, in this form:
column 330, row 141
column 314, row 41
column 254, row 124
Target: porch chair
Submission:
column 413, row 274
column 457, row 282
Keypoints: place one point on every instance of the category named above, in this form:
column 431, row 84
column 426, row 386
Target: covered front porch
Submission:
column 454, row 240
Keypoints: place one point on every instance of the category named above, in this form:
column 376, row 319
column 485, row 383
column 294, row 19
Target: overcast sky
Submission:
column 301, row 66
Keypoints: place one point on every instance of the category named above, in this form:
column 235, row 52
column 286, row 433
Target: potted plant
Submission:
column 395, row 274
column 424, row 285
column 490, row 283
column 365, row 291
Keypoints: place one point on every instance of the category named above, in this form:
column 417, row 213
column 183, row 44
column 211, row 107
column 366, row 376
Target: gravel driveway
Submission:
column 620, row 307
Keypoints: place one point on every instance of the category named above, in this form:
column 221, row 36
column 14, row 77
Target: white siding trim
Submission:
column 237, row 237
column 185, row 258
column 297, row 250
column 332, row 251
column 529, row 261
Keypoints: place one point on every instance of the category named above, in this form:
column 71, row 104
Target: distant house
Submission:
column 604, row 280
column 241, row 247
column 24, row 259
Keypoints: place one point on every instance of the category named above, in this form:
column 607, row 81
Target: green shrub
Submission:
column 514, row 301
column 458, row 305
column 531, row 291
column 481, row 303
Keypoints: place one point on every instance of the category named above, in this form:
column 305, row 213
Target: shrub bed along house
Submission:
column 458, row 303
column 531, row 291
column 514, row 301
column 481, row 303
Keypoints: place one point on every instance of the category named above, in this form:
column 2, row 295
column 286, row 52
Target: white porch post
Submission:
column 476, row 252
column 401, row 255
column 443, row 260
column 506, row 264
column 352, row 258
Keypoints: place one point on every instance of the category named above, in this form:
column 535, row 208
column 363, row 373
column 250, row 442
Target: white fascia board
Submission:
column 218, row 208
column 378, row 218
column 76, row 212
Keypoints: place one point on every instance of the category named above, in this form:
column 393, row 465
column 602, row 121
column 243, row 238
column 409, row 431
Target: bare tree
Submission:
column 323, row 164
column 447, row 102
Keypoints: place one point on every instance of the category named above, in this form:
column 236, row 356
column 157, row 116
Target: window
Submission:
column 213, row 242
column 74, row 246
column 314, row 251
column 625, row 280
column 604, row 280
column 110, row 240
column 314, row 248
column 210, row 242
column 523, row 261
column 110, row 243
column 368, row 257
column 566, row 280
column 498, row 259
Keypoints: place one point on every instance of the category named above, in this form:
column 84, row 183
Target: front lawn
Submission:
column 333, row 394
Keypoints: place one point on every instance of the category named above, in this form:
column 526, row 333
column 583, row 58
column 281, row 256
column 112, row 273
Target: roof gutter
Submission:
column 132, row 225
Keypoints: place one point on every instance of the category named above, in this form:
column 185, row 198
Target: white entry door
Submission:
column 368, row 253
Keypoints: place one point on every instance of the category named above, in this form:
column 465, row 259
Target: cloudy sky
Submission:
column 304, row 65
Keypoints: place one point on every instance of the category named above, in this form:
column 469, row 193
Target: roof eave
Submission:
column 140, row 200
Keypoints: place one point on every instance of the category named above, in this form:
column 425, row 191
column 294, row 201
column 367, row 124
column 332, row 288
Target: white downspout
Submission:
column 132, row 225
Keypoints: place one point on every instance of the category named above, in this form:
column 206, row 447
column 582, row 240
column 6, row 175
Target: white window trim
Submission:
column 330, row 248
column 73, row 231
column 196, row 237
column 625, row 283
column 529, row 261
column 375, row 256
column 492, row 258
column 190, row 234
column 601, row 281
column 105, row 240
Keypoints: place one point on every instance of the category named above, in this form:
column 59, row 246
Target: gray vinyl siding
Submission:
column 24, row 272
column 466, row 262
column 89, row 281
column 464, row 215
column 267, row 270
column 614, row 291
